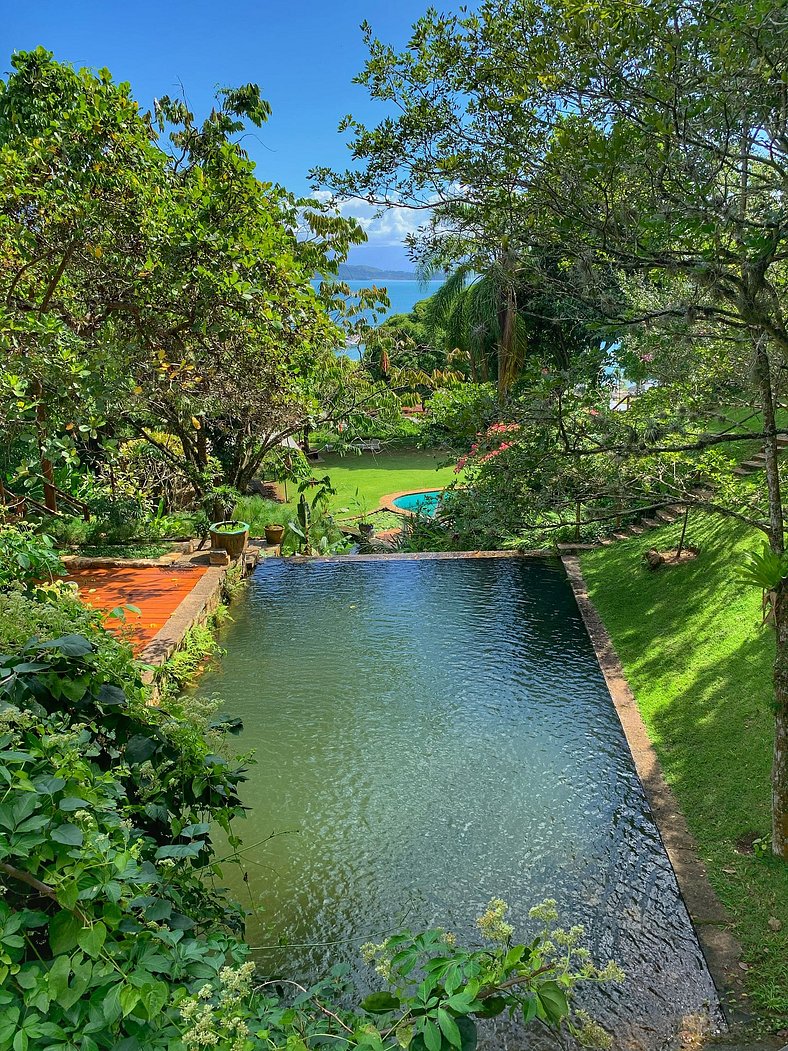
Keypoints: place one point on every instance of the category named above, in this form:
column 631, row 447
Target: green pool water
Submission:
column 430, row 734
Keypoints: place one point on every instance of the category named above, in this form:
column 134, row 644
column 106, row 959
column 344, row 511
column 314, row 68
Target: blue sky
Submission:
column 303, row 54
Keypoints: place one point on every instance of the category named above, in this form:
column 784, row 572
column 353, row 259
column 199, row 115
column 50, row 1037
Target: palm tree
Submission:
column 478, row 315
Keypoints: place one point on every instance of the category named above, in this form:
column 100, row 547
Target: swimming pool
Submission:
column 430, row 734
column 425, row 503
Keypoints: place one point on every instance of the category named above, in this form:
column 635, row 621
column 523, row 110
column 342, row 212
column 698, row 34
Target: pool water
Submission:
column 420, row 503
column 430, row 734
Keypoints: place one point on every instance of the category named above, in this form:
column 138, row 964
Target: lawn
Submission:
column 360, row 482
column 699, row 662
column 376, row 475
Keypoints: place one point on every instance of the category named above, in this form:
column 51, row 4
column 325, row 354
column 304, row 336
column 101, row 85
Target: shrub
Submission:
column 27, row 558
column 457, row 414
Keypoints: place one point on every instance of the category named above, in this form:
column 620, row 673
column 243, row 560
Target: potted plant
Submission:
column 274, row 531
column 365, row 527
column 231, row 535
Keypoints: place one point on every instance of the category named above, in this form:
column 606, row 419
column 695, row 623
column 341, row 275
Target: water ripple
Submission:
column 439, row 733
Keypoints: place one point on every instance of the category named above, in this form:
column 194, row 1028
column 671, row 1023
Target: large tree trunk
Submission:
column 780, row 759
column 777, row 537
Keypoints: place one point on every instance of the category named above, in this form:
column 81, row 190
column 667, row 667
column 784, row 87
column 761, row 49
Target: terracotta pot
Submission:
column 232, row 540
column 274, row 533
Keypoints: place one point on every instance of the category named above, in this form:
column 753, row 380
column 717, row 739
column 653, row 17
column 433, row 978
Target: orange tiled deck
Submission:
column 156, row 592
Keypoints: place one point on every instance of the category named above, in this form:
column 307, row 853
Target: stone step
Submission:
column 666, row 516
column 650, row 523
column 635, row 530
column 620, row 536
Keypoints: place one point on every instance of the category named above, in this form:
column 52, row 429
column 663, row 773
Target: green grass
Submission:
column 139, row 549
column 360, row 482
column 699, row 662
column 376, row 475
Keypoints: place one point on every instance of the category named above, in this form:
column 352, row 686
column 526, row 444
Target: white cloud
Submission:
column 384, row 228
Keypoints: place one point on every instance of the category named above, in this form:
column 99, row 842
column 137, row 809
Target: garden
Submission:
column 193, row 850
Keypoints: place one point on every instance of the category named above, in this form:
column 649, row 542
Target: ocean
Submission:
column 403, row 295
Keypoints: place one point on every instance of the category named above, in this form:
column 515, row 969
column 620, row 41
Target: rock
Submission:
column 774, row 924
column 653, row 558
column 218, row 557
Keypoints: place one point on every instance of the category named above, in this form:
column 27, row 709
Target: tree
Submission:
column 151, row 288
column 642, row 140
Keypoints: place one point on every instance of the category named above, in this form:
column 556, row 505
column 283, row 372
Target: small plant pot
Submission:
column 232, row 536
column 274, row 533
column 366, row 529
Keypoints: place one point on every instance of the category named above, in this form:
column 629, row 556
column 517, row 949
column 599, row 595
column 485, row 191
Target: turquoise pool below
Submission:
column 420, row 503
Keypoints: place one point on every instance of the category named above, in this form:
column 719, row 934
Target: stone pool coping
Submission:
column 710, row 918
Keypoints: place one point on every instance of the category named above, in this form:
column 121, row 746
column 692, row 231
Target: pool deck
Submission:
column 157, row 591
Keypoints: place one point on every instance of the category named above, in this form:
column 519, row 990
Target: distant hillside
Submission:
column 372, row 273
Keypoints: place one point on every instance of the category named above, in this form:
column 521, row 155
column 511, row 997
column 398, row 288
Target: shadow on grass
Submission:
column 700, row 665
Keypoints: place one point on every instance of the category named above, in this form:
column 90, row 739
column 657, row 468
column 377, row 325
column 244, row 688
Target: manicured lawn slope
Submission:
column 699, row 663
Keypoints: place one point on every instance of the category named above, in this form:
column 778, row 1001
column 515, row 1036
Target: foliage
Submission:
column 259, row 513
column 457, row 414
column 435, row 993
column 26, row 557
column 313, row 530
column 407, row 342
column 121, row 523
column 198, row 648
column 56, row 611
column 105, row 837
column 154, row 286
column 763, row 569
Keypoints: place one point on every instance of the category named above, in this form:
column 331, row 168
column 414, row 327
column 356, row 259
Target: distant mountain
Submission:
column 371, row 273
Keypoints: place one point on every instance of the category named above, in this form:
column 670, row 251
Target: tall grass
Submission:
column 259, row 513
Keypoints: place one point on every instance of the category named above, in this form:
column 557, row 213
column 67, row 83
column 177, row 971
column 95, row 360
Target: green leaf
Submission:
column 553, row 1001
column 110, row 695
column 49, row 785
column 67, row 894
column 380, row 1003
column 68, row 834
column 491, row 1007
column 432, row 1036
column 57, row 978
column 69, row 645
column 139, row 749
column 91, row 939
column 514, row 955
column 129, row 998
column 529, row 1008
column 68, row 803
column 63, row 932
column 449, row 1028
